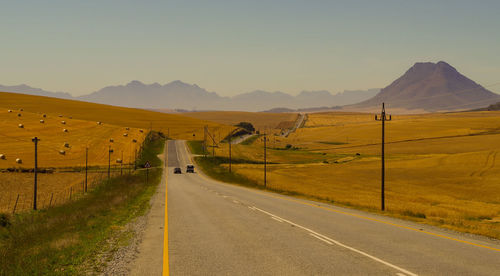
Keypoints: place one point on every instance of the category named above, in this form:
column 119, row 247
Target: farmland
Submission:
column 65, row 129
column 260, row 120
column 441, row 169
column 180, row 127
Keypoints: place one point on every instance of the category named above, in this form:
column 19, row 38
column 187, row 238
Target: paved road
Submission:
column 220, row 229
column 298, row 123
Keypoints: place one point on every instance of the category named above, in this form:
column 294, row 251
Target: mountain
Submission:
column 431, row 87
column 178, row 95
column 25, row 89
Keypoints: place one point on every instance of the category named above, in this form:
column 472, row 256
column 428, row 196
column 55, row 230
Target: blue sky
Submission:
column 238, row 46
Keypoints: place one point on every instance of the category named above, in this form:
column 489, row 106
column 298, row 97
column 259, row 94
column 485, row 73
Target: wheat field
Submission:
column 67, row 129
column 441, row 169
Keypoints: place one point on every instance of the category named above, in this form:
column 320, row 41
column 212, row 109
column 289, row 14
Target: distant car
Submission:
column 177, row 170
column 190, row 169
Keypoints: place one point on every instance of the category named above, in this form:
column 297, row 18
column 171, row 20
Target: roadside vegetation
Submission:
column 65, row 240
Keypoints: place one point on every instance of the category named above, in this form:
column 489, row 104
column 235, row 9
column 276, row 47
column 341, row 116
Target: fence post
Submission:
column 15, row 205
column 51, row 196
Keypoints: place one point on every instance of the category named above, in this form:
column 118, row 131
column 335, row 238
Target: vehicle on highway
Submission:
column 177, row 170
column 190, row 169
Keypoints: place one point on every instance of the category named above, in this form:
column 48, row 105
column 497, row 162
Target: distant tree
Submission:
column 247, row 126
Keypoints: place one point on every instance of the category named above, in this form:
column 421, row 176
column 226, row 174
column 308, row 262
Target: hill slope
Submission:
column 181, row 127
column 431, row 87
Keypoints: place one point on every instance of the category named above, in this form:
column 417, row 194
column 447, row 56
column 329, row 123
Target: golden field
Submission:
column 17, row 142
column 441, row 169
column 260, row 120
column 180, row 127
column 80, row 121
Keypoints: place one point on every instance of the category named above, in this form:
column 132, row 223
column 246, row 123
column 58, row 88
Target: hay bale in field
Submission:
column 19, row 161
column 65, row 130
column 66, row 144
column 2, row 156
column 134, row 141
column 111, row 140
column 63, row 122
column 127, row 128
column 99, row 123
column 119, row 161
column 60, row 116
column 19, row 115
column 44, row 115
column 141, row 131
column 21, row 109
column 71, row 117
column 62, row 152
column 10, row 111
column 42, row 121
column 125, row 134
column 20, row 126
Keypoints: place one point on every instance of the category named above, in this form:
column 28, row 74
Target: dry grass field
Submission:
column 79, row 119
column 260, row 120
column 441, row 169
column 180, row 127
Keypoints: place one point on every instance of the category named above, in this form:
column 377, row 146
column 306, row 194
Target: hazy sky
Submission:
column 233, row 46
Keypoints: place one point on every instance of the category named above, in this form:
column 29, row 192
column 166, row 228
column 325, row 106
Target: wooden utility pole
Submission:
column 383, row 118
column 35, row 140
column 265, row 161
column 109, row 162
column 229, row 142
column 86, row 166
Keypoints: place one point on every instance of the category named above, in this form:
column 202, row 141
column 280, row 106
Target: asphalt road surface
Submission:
column 220, row 229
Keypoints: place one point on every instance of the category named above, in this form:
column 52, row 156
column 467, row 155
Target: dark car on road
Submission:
column 190, row 169
column 177, row 170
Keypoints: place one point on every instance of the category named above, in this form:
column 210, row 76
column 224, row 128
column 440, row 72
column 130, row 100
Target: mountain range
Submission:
column 425, row 87
column 178, row 95
column 430, row 87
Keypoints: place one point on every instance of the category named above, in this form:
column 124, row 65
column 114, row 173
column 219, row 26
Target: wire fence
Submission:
column 54, row 188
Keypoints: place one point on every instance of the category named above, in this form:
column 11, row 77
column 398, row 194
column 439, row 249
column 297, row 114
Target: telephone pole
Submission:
column 35, row 140
column 86, row 166
column 229, row 142
column 109, row 162
column 383, row 118
column 265, row 161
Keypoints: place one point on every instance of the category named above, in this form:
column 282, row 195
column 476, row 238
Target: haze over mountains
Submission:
column 180, row 95
column 431, row 87
column 425, row 87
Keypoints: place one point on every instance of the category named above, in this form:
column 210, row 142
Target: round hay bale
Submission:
column 119, row 161
column 19, row 161
column 134, row 141
column 60, row 116
column 125, row 134
column 65, row 130
column 127, row 128
column 141, row 131
column 111, row 140
column 99, row 123
column 44, row 115
column 10, row 111
column 20, row 126
column 2, row 156
column 62, row 152
column 66, row 145
column 63, row 122
column 19, row 115
column 42, row 121
column 21, row 109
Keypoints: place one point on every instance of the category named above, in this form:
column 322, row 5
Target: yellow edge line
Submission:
column 166, row 268
column 363, row 217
